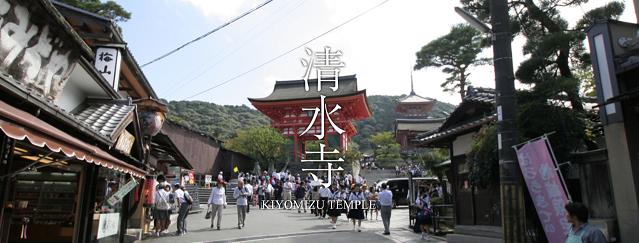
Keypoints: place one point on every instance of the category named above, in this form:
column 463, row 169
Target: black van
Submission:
column 399, row 187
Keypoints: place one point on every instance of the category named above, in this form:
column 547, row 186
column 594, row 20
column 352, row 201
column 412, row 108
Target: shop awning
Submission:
column 21, row 125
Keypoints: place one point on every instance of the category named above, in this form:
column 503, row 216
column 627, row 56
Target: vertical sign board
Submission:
column 545, row 187
column 107, row 62
column 109, row 224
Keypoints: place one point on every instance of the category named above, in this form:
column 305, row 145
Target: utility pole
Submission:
column 513, row 210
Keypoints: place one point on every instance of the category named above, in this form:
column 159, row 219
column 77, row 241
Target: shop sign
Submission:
column 125, row 142
column 31, row 52
column 117, row 196
column 109, row 224
column 191, row 177
column 107, row 62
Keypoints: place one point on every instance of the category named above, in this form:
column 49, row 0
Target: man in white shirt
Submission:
column 287, row 189
column 217, row 202
column 325, row 194
column 249, row 187
column 241, row 194
column 386, row 202
column 183, row 208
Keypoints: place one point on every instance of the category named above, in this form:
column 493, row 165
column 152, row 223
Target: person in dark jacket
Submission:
column 300, row 196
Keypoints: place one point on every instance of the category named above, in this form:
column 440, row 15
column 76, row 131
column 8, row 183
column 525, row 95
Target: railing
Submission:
column 442, row 213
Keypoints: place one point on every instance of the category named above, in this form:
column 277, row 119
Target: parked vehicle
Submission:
column 400, row 187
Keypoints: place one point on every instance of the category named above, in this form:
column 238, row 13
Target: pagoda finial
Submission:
column 412, row 90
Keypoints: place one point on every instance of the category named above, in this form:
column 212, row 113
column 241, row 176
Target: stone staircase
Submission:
column 373, row 176
column 195, row 194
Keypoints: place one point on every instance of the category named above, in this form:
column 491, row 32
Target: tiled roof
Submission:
column 294, row 89
column 457, row 122
column 437, row 134
column 413, row 98
column 482, row 95
column 108, row 118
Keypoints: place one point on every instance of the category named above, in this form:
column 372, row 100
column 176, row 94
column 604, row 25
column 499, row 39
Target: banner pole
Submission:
column 534, row 139
column 557, row 169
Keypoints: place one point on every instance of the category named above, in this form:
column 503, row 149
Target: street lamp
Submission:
column 510, row 179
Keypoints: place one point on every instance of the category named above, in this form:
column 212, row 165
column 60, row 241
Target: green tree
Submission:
column 455, row 53
column 430, row 157
column 109, row 9
column 554, row 50
column 352, row 155
column 263, row 143
column 387, row 150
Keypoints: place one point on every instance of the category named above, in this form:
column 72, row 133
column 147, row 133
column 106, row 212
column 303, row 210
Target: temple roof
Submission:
column 414, row 98
column 418, row 125
column 294, row 90
column 476, row 110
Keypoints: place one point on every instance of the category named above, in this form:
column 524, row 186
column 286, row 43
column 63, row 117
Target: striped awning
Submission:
column 21, row 125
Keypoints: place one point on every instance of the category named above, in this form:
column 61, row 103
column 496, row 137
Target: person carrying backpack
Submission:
column 184, row 202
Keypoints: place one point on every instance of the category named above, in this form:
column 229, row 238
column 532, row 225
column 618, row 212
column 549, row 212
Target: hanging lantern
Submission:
column 151, row 122
column 152, row 114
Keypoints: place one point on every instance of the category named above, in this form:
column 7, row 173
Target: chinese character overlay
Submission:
column 327, row 65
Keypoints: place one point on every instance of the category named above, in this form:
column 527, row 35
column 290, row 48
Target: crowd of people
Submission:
column 363, row 200
column 167, row 198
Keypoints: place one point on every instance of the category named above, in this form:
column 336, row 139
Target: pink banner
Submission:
column 545, row 188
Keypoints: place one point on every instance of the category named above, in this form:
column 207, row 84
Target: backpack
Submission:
column 188, row 198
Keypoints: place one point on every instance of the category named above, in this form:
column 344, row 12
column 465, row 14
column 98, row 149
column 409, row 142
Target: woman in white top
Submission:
column 162, row 209
column 217, row 202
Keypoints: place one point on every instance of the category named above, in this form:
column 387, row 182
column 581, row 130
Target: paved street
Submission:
column 289, row 226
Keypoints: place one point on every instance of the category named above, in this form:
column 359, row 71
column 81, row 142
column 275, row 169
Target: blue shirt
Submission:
column 386, row 198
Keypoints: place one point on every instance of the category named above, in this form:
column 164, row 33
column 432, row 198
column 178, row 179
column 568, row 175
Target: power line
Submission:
column 180, row 85
column 287, row 52
column 207, row 33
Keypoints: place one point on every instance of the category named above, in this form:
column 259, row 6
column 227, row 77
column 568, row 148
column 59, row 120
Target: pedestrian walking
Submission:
column 249, row 197
column 334, row 210
column 373, row 198
column 217, row 202
column 162, row 209
column 287, row 189
column 183, row 206
column 261, row 193
column 241, row 194
column 325, row 194
column 580, row 230
column 300, row 194
column 315, row 196
column 424, row 214
column 386, row 204
column 356, row 213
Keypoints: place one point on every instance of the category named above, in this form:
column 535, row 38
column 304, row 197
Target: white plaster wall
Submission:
column 462, row 144
column 71, row 97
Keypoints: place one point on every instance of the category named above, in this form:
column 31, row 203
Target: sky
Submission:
column 379, row 47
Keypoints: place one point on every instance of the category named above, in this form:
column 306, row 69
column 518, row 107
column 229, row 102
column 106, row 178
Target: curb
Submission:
column 263, row 237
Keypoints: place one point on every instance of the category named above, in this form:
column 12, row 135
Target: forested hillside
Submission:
column 222, row 121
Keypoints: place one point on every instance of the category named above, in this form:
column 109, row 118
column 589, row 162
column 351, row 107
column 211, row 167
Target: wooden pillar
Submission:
column 295, row 144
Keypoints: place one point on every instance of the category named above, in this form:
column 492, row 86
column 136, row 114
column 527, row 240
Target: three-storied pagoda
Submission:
column 413, row 117
column 284, row 107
